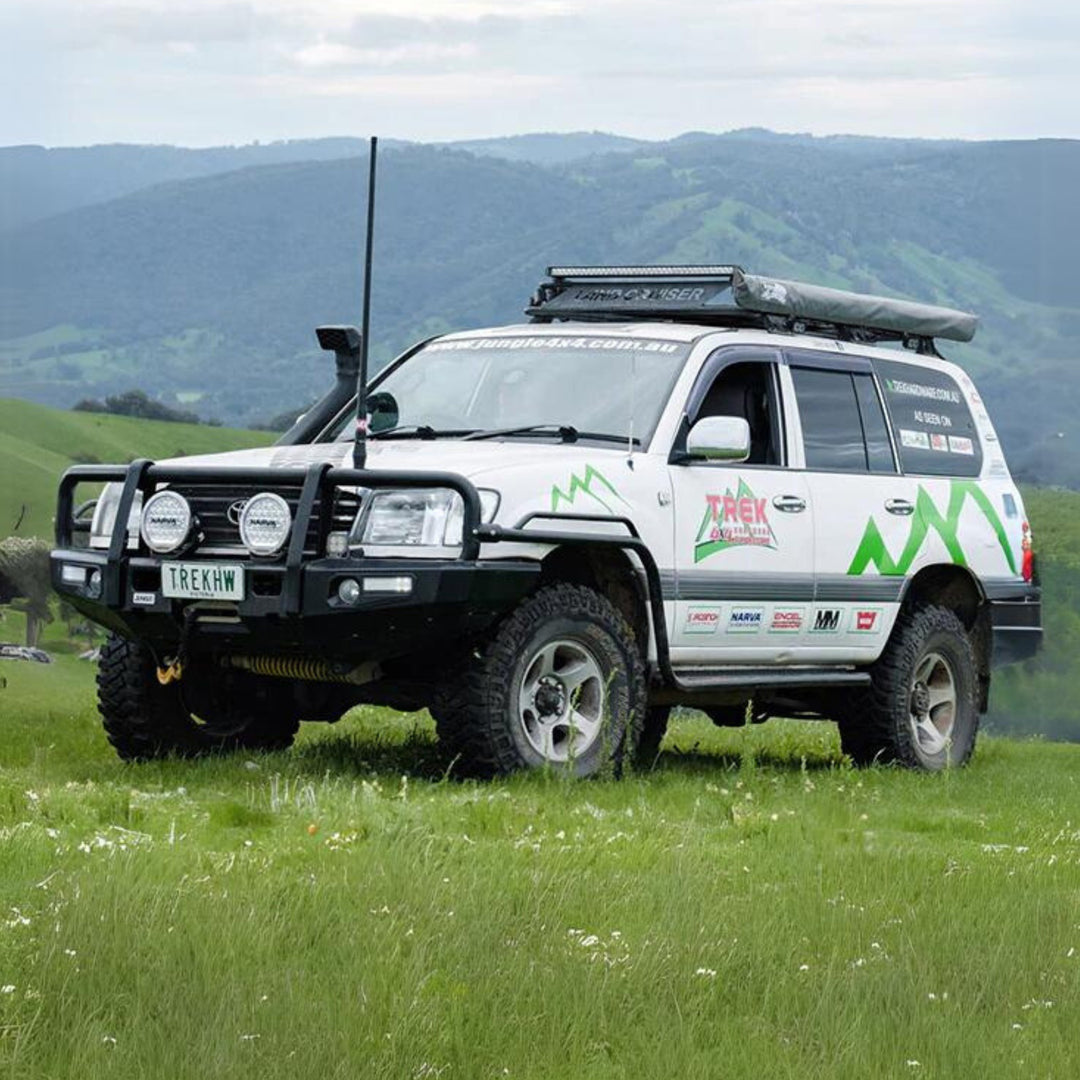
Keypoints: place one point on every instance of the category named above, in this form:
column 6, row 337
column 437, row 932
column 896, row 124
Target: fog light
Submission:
column 349, row 591
column 93, row 584
column 388, row 584
column 73, row 575
column 337, row 545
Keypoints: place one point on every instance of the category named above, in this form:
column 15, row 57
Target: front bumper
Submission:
column 284, row 613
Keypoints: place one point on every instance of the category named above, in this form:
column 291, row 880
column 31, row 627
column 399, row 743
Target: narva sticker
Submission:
column 745, row 620
column 702, row 620
column 738, row 519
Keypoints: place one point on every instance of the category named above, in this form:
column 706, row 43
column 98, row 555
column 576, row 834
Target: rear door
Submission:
column 863, row 506
column 744, row 538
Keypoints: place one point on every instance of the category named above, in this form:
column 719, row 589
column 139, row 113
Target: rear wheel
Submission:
column 203, row 713
column 922, row 708
column 560, row 683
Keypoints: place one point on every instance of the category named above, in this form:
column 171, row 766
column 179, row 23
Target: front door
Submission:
column 744, row 539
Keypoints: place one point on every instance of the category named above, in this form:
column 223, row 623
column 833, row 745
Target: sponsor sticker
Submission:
column 865, row 621
column 939, row 442
column 745, row 620
column 916, row 440
column 702, row 620
column 960, row 444
column 929, row 393
column 787, row 620
column 144, row 599
column 734, row 519
column 826, row 621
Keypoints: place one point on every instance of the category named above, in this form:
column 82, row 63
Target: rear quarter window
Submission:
column 935, row 431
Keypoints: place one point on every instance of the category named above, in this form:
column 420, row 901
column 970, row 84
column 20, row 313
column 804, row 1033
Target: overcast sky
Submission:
column 206, row 72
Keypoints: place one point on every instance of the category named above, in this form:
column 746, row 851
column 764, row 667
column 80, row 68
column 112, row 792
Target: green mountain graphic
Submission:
column 585, row 485
column 873, row 552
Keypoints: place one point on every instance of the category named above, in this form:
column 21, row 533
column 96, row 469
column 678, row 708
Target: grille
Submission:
column 211, row 502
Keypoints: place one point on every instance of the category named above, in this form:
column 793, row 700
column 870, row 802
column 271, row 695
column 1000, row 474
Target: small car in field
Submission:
column 672, row 486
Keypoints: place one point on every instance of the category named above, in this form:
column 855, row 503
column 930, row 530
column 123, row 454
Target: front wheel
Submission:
column 922, row 709
column 203, row 713
column 561, row 683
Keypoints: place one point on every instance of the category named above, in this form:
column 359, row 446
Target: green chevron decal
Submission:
column 872, row 549
column 586, row 485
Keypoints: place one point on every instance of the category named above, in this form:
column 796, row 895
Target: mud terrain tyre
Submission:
column 145, row 720
column 921, row 710
column 559, row 683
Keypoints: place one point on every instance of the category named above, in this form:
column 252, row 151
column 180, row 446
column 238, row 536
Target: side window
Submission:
column 747, row 389
column 832, row 422
column 879, row 452
column 935, row 432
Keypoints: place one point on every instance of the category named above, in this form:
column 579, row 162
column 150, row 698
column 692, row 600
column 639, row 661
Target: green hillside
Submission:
column 38, row 443
column 209, row 288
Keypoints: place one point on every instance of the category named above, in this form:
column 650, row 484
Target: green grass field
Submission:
column 749, row 908
column 38, row 443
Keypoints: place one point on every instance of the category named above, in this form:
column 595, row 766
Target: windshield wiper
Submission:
column 566, row 432
column 422, row 431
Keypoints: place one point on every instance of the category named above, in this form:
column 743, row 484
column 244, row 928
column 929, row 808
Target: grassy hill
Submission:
column 38, row 443
column 751, row 907
column 209, row 287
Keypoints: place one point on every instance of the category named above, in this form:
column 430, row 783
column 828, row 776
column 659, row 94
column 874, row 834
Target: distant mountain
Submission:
column 36, row 182
column 208, row 289
column 548, row 148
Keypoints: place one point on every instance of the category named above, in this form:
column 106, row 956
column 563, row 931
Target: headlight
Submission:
column 104, row 519
column 265, row 522
column 426, row 517
column 166, row 522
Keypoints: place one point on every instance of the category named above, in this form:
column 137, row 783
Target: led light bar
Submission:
column 640, row 271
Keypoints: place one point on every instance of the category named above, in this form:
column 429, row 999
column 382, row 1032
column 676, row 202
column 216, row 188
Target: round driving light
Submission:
column 349, row 591
column 264, row 523
column 166, row 522
column 93, row 584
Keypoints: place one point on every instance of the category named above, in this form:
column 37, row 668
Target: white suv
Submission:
column 675, row 485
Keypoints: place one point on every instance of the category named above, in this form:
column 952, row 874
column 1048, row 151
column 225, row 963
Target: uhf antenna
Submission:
column 360, row 441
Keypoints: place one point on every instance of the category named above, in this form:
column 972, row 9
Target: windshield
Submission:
column 615, row 386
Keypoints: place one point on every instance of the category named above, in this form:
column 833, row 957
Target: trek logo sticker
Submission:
column 826, row 621
column 745, row 620
column 872, row 550
column 702, row 620
column 865, row 621
column 787, row 620
column 733, row 520
column 594, row 484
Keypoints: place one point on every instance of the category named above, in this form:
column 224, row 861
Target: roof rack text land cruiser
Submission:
column 728, row 296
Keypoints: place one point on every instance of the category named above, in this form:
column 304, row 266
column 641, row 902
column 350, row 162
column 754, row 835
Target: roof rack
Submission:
column 728, row 296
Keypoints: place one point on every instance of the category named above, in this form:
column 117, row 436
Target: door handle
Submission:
column 789, row 504
column 900, row 506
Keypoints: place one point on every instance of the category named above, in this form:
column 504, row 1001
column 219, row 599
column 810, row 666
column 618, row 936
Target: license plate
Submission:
column 202, row 581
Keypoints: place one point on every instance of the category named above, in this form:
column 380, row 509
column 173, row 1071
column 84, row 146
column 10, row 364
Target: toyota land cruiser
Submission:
column 674, row 485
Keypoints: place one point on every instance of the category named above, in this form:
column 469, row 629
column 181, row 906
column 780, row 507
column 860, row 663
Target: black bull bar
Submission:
column 316, row 482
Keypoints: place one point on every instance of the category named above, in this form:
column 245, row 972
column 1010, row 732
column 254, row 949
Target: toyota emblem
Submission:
column 235, row 510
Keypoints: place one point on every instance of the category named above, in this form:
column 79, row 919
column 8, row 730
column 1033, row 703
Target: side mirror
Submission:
column 382, row 412
column 719, row 438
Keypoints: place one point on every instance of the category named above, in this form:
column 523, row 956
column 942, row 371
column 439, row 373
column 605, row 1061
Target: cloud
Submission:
column 246, row 69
